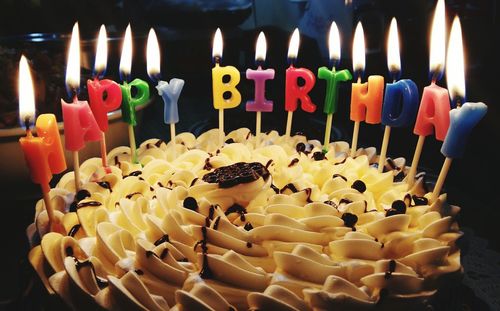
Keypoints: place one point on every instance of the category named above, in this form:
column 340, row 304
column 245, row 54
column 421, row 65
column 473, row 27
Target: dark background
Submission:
column 185, row 30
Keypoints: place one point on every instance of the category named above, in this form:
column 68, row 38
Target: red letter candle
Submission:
column 293, row 92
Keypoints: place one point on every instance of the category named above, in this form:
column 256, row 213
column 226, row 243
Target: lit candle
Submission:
column 80, row 125
column 169, row 91
column 366, row 98
column 104, row 95
column 433, row 114
column 401, row 97
column 333, row 79
column 294, row 92
column 259, row 76
column 225, row 94
column 462, row 118
column 129, row 102
column 44, row 154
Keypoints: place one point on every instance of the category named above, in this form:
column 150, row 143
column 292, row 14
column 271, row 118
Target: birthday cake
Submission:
column 274, row 224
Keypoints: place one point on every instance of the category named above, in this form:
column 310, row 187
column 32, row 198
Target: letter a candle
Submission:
column 462, row 118
column 259, row 76
column 433, row 114
column 80, row 125
column 219, row 87
column 104, row 95
column 44, row 154
column 366, row 98
column 333, row 78
column 129, row 102
column 294, row 92
column 169, row 91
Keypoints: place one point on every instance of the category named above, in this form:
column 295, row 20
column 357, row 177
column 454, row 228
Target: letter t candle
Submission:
column 462, row 118
column 169, row 91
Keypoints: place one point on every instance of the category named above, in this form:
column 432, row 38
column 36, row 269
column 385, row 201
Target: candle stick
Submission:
column 129, row 102
column 462, row 118
column 44, row 154
column 259, row 76
column 294, row 92
column 80, row 125
column 366, row 98
column 104, row 95
column 169, row 91
column 333, row 79
column 219, row 87
column 433, row 114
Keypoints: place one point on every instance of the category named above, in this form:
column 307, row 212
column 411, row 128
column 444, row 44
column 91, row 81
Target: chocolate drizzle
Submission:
column 269, row 162
column 229, row 141
column 130, row 195
column 207, row 165
column 164, row 253
column 293, row 162
column 236, row 208
column 392, row 268
column 216, row 223
column 290, row 187
column 419, row 200
column 74, row 230
column 206, row 272
column 89, row 203
column 101, row 282
column 105, row 185
column 134, row 173
column 193, row 182
column 339, row 176
column 275, row 189
column 164, row 238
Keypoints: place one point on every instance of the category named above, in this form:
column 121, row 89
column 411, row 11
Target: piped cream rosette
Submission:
column 278, row 225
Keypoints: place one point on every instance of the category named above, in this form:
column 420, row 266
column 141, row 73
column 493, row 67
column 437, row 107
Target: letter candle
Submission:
column 333, row 78
column 80, row 125
column 44, row 154
column 366, row 98
column 401, row 97
column 259, row 76
column 462, row 118
column 169, row 91
column 128, row 102
column 219, row 87
column 433, row 113
column 294, row 92
column 104, row 95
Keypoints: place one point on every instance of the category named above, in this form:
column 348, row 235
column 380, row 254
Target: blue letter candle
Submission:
column 462, row 120
column 170, row 92
column 400, row 103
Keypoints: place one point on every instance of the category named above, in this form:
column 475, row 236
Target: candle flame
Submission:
column 358, row 49
column 126, row 58
column 26, row 94
column 101, row 55
column 73, row 66
column 455, row 72
column 438, row 40
column 261, row 48
column 334, row 43
column 217, row 45
column 393, row 58
column 293, row 47
column 153, row 55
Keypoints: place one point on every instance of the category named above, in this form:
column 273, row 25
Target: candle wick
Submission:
column 359, row 79
column 27, row 124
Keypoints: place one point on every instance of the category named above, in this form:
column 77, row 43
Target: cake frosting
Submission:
column 279, row 225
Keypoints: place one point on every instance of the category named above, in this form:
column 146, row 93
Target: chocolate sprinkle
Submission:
column 105, row 185
column 89, row 203
column 164, row 238
column 216, row 223
column 236, row 208
column 293, row 162
column 164, row 253
column 339, row 176
column 130, row 195
column 235, row 174
column 249, row 245
column 193, row 182
column 74, row 230
column 190, row 203
column 359, row 185
column 101, row 283
column 392, row 268
column 290, row 187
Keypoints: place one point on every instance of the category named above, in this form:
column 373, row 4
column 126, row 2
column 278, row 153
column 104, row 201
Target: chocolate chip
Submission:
column 190, row 203
column 399, row 206
column 249, row 245
column 248, row 226
column 420, row 200
column 82, row 194
column 349, row 219
column 391, row 212
column 318, row 156
column 229, row 141
column 359, row 185
column 300, row 147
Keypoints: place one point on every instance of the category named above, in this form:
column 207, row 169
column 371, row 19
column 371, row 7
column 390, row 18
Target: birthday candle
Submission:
column 259, row 76
column 219, row 87
column 294, row 92
column 104, row 95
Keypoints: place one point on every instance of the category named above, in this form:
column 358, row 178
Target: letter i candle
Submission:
column 44, row 154
column 80, row 125
column 401, row 97
column 104, row 95
column 462, row 118
column 433, row 113
column 169, row 91
column 219, row 87
column 294, row 92
column 259, row 76
column 366, row 98
column 333, row 78
column 129, row 102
